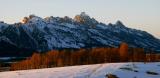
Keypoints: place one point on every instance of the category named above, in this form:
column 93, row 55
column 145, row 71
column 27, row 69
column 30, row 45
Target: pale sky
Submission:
column 139, row 14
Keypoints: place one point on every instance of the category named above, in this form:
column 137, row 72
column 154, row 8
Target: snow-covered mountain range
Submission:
column 42, row 34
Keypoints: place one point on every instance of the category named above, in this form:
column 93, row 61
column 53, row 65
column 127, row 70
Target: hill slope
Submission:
column 122, row 70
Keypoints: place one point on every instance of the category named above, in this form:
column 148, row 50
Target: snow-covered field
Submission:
column 122, row 70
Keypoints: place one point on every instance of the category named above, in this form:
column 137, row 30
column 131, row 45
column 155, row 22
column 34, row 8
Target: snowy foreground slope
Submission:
column 89, row 71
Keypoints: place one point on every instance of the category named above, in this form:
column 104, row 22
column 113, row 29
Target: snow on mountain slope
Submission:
column 43, row 34
column 89, row 71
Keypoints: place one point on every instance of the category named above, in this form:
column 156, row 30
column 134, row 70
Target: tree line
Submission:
column 70, row 57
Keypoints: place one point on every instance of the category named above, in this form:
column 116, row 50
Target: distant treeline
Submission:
column 58, row 58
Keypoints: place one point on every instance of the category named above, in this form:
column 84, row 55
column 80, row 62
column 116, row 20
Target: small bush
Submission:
column 151, row 73
column 111, row 76
column 135, row 70
column 126, row 68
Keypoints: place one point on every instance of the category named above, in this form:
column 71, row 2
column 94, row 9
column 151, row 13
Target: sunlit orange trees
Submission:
column 123, row 50
column 69, row 57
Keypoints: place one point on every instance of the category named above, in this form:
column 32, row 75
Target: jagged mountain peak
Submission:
column 31, row 19
column 119, row 23
column 83, row 18
column 1, row 22
column 83, row 14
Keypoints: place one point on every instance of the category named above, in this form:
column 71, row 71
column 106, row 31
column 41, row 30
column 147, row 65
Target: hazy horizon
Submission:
column 138, row 14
